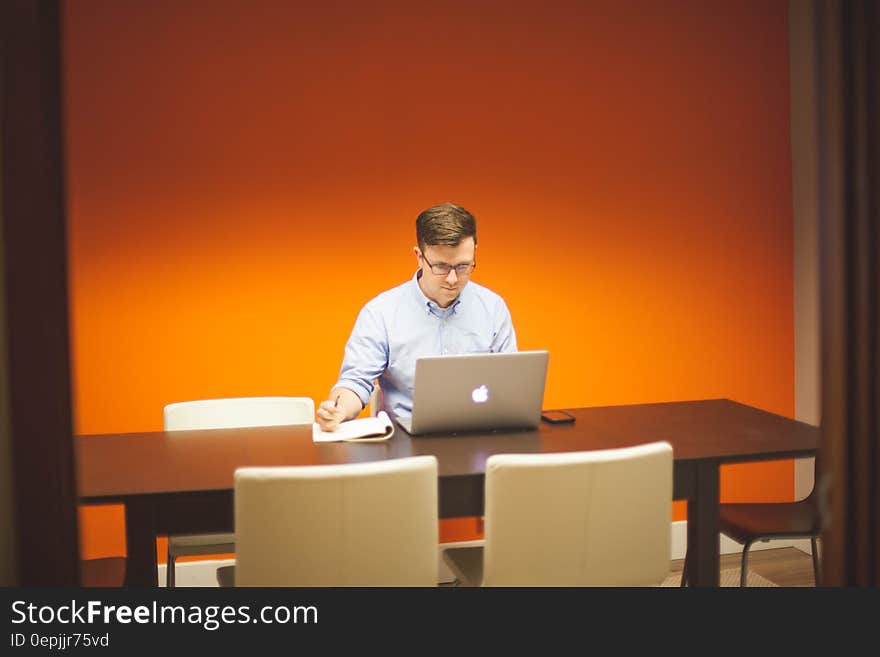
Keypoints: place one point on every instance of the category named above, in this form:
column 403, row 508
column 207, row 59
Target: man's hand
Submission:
column 342, row 405
column 330, row 415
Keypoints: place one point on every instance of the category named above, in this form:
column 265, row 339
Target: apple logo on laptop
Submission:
column 480, row 395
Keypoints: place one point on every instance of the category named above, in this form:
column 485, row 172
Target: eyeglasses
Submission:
column 442, row 269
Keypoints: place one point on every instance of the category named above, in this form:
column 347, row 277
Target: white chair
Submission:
column 354, row 524
column 227, row 414
column 598, row 518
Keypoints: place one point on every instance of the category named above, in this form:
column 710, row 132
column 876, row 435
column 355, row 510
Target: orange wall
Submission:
column 244, row 176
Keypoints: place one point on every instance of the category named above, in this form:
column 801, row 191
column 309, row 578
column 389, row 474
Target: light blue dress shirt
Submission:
column 402, row 324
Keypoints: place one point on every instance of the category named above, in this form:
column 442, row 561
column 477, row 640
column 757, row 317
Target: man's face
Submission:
column 441, row 288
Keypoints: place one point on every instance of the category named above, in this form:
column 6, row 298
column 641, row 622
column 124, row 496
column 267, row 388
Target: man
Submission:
column 439, row 311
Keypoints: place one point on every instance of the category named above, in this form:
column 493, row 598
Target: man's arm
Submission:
column 504, row 337
column 343, row 405
column 366, row 357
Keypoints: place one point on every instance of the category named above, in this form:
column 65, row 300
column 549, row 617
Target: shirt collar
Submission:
column 430, row 306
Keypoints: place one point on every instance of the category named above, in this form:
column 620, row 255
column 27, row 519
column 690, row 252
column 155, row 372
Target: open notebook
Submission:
column 363, row 430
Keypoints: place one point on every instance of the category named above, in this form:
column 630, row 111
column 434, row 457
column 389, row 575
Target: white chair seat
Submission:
column 466, row 564
column 226, row 576
column 196, row 544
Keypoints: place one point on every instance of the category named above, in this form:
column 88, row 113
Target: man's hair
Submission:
column 445, row 225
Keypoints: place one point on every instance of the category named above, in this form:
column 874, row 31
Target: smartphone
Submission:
column 557, row 417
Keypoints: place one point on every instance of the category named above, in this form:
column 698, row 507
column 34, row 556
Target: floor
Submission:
column 782, row 566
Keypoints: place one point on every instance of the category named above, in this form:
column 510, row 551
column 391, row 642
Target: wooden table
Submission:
column 179, row 482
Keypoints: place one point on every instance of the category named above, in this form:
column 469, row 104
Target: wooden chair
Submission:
column 748, row 523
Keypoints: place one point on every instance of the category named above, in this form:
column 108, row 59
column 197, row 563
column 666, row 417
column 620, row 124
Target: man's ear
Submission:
column 418, row 252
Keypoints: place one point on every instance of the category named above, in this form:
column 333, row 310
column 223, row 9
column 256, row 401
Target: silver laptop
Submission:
column 477, row 391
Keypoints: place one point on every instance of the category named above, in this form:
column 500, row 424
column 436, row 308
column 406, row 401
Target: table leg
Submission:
column 140, row 539
column 703, row 540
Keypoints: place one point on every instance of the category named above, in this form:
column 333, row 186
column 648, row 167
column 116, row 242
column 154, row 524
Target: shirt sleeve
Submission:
column 504, row 337
column 366, row 354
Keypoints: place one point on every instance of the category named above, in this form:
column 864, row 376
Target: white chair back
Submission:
column 238, row 412
column 359, row 524
column 598, row 518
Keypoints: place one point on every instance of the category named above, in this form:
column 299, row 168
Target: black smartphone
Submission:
column 557, row 417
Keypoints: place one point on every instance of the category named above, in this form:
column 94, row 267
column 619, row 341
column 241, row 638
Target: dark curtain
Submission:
column 34, row 259
column 848, row 99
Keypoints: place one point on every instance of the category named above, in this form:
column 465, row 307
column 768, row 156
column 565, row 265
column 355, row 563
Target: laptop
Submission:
column 472, row 392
